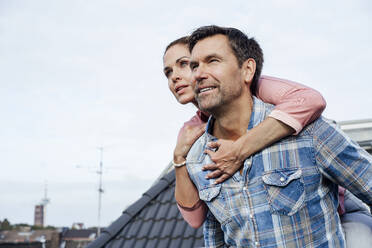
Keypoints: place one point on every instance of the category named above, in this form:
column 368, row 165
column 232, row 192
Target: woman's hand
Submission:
column 226, row 158
column 186, row 193
column 186, row 139
column 230, row 155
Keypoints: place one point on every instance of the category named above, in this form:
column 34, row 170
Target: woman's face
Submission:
column 176, row 69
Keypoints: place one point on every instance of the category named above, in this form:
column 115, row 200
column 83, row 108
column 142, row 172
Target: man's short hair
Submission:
column 183, row 41
column 242, row 46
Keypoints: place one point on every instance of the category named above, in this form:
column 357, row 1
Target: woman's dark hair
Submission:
column 183, row 40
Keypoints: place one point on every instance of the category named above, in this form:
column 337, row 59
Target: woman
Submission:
column 296, row 106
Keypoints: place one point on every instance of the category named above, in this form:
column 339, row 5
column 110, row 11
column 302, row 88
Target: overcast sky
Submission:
column 77, row 75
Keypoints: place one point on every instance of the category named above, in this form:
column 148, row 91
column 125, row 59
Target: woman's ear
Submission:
column 248, row 69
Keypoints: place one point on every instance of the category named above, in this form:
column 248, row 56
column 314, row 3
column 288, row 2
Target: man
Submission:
column 285, row 195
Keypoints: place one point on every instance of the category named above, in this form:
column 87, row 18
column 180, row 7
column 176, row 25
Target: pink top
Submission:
column 341, row 197
column 295, row 105
column 197, row 119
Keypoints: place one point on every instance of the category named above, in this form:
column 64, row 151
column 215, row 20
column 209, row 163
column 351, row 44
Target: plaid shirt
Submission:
column 287, row 194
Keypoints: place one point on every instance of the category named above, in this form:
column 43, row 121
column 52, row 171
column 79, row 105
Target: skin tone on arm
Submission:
column 230, row 154
column 186, row 193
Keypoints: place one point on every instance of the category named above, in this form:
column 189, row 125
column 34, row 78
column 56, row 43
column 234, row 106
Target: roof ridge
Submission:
column 160, row 238
column 158, row 219
column 133, row 210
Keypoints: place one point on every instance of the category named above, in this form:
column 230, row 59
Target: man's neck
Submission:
column 232, row 122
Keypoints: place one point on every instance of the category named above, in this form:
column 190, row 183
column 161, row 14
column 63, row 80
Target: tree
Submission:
column 5, row 225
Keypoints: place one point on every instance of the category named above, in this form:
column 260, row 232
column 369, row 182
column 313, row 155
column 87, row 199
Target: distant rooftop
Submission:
column 71, row 234
column 360, row 131
column 14, row 236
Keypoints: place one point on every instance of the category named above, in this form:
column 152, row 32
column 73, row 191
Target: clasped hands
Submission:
column 226, row 158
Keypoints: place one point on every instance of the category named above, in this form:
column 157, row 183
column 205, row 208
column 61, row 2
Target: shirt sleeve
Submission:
column 195, row 215
column 342, row 160
column 213, row 235
column 194, row 121
column 295, row 105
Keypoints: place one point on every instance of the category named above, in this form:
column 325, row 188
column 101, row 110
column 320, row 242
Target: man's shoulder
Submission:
column 260, row 111
column 320, row 126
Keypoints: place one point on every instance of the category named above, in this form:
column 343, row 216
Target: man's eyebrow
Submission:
column 213, row 55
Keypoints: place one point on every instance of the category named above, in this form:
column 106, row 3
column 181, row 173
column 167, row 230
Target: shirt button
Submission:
column 282, row 179
column 245, row 188
column 256, row 243
column 251, row 216
column 249, row 162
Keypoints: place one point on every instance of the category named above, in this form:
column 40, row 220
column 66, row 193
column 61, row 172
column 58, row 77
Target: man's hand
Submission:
column 187, row 138
column 226, row 160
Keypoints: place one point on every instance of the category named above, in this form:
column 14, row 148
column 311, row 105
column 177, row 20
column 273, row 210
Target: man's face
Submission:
column 216, row 76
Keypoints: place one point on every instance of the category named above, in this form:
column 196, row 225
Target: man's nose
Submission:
column 198, row 74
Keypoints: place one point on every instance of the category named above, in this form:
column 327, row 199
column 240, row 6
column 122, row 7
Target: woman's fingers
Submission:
column 209, row 167
column 213, row 174
column 213, row 144
column 222, row 178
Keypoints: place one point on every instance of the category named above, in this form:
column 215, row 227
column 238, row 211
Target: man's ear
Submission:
column 248, row 69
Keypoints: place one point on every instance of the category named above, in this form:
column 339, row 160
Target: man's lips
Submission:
column 203, row 89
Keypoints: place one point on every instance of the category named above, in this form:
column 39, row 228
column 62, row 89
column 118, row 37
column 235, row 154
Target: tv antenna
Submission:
column 100, row 187
column 100, row 190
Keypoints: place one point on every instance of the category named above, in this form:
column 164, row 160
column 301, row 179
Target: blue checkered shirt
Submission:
column 287, row 194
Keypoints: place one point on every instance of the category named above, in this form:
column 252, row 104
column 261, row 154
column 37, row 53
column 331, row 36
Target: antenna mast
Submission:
column 45, row 201
column 100, row 190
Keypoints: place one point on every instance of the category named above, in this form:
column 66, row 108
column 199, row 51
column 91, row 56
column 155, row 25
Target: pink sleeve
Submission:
column 341, row 200
column 194, row 121
column 295, row 105
column 194, row 216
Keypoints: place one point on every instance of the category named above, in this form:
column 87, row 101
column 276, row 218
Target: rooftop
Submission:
column 152, row 221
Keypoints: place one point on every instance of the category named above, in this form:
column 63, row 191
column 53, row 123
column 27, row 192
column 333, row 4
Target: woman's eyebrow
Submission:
column 178, row 60
column 166, row 69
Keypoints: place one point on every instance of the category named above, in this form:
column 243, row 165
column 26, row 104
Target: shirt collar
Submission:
column 204, row 116
column 260, row 111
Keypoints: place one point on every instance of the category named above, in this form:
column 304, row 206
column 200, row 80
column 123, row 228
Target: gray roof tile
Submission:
column 152, row 243
column 163, row 243
column 139, row 243
column 187, row 243
column 152, row 221
column 175, row 242
column 179, row 229
column 168, row 229
column 127, row 243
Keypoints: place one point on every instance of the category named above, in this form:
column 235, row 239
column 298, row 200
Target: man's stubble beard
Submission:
column 214, row 104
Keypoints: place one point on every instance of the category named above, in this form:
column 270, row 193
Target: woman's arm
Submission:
column 295, row 106
column 186, row 193
column 191, row 207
